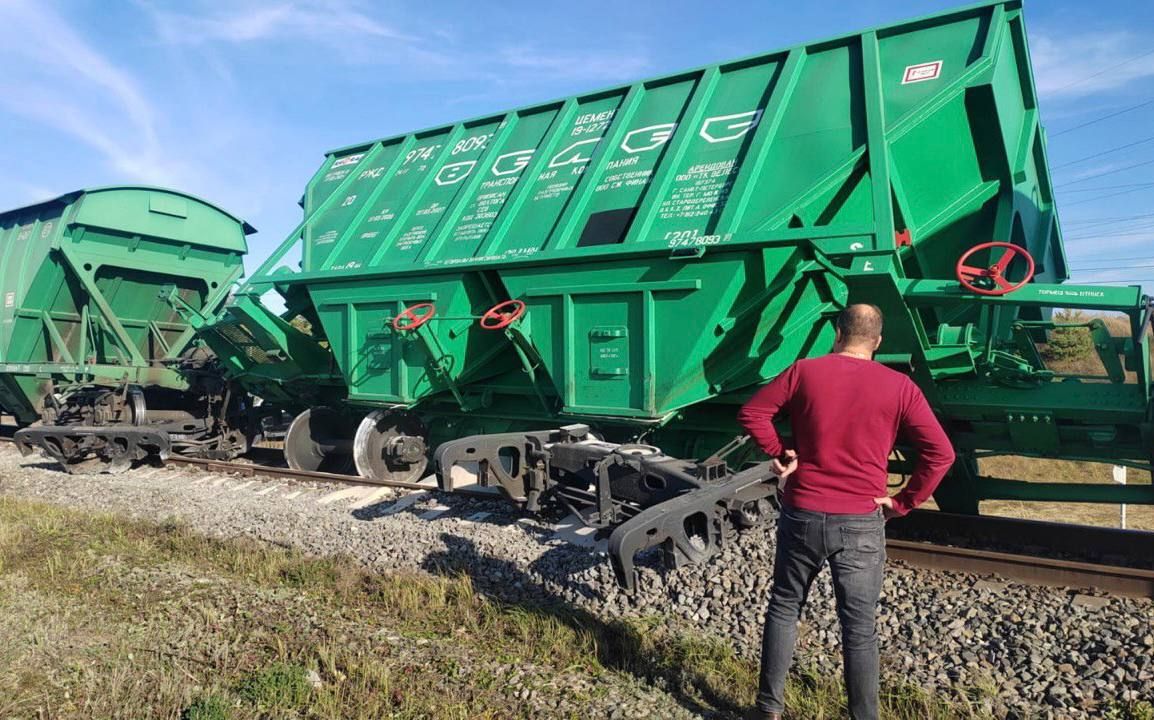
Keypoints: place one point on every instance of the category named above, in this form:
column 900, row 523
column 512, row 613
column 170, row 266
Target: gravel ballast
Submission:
column 1038, row 652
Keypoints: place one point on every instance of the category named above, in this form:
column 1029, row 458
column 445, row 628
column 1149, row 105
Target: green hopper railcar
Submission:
column 632, row 263
column 93, row 354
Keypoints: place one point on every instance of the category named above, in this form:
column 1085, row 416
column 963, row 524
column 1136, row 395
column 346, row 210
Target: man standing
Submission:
column 846, row 411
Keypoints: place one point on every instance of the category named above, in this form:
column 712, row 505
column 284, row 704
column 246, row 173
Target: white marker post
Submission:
column 1120, row 478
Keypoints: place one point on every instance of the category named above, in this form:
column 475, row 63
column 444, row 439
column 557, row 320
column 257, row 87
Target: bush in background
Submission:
column 1069, row 343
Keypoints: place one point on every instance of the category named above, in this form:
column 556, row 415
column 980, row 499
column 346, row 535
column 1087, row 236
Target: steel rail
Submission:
column 1028, row 551
column 1065, row 541
column 1028, row 569
column 254, row 469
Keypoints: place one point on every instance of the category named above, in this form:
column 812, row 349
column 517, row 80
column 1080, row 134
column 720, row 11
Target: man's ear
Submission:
column 837, row 336
column 878, row 343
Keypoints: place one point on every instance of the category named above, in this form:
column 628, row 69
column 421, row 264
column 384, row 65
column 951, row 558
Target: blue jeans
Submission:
column 854, row 547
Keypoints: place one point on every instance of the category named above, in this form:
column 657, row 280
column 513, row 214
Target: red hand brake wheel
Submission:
column 995, row 274
column 502, row 315
column 415, row 317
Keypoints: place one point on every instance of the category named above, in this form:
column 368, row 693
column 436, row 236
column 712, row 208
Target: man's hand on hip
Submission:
column 887, row 505
column 785, row 469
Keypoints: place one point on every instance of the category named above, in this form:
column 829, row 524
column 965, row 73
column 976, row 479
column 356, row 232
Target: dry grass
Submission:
column 1010, row 467
column 1138, row 517
column 101, row 617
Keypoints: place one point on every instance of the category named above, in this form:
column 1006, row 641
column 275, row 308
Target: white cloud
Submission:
column 1088, row 250
column 339, row 25
column 592, row 65
column 1112, row 277
column 32, row 193
column 1093, row 260
column 1067, row 176
column 1078, row 65
column 350, row 32
column 55, row 77
column 165, row 102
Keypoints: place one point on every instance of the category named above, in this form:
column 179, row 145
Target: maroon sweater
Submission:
column 846, row 414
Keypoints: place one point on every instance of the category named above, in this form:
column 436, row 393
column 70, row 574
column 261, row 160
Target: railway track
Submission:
column 1030, row 551
column 272, row 471
column 1117, row 580
column 1119, row 562
column 929, row 539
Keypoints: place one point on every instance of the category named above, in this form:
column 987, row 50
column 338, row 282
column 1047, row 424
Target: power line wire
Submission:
column 1097, row 120
column 1130, row 278
column 1112, row 268
column 1104, row 152
column 1121, row 232
column 1125, row 259
column 1147, row 233
column 1106, row 237
column 1109, row 187
column 1115, row 171
column 1107, row 220
column 1104, row 71
column 1115, row 282
column 1104, row 197
column 1114, row 226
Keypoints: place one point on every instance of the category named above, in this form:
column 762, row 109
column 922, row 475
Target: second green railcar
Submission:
column 93, row 354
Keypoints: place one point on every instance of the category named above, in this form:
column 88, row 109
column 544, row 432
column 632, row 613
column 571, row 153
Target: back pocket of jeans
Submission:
column 864, row 546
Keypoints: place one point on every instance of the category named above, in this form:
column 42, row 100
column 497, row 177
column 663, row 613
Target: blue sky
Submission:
column 237, row 100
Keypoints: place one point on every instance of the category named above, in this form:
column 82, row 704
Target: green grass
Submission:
column 1135, row 710
column 210, row 707
column 278, row 686
column 110, row 618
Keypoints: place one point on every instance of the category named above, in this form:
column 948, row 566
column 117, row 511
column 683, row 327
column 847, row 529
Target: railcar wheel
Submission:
column 391, row 446
column 138, row 408
column 318, row 440
column 754, row 513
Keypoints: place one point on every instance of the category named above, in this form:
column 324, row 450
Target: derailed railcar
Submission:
column 626, row 266
column 92, row 348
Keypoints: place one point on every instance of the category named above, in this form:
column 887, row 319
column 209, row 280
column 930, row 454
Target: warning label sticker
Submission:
column 348, row 160
column 922, row 72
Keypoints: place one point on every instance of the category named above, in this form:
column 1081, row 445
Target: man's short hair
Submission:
column 860, row 322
